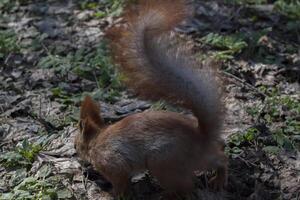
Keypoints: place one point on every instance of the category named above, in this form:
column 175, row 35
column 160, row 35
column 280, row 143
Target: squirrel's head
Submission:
column 90, row 123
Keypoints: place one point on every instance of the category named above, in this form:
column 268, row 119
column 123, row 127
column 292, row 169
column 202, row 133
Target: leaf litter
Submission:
column 41, row 44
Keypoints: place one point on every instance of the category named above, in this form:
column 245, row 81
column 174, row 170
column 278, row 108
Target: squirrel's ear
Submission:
column 81, row 125
column 88, row 128
column 89, row 109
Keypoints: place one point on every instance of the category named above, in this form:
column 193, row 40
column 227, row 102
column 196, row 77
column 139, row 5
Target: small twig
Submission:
column 46, row 49
column 5, row 143
column 40, row 107
column 8, row 131
column 97, row 82
column 48, row 126
column 268, row 8
column 49, row 106
column 259, row 115
column 296, row 69
column 14, row 140
column 84, row 181
column 7, row 58
column 245, row 83
column 49, row 153
column 247, row 162
column 1, row 109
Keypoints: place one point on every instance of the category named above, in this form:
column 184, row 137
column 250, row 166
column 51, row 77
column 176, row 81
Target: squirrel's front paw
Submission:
column 217, row 183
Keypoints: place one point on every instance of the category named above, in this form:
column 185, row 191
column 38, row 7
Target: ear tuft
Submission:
column 89, row 109
column 88, row 128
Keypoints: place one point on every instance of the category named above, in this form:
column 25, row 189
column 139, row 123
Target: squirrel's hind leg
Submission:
column 121, row 183
column 176, row 182
column 219, row 181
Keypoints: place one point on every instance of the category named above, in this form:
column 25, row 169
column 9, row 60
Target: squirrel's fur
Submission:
column 156, row 70
column 171, row 146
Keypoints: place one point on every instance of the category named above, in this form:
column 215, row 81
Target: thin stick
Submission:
column 245, row 83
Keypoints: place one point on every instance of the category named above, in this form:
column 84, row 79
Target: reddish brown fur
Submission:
column 165, row 143
column 90, row 109
column 157, row 70
column 170, row 145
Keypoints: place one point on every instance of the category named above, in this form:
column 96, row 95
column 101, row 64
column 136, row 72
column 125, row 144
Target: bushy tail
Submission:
column 155, row 69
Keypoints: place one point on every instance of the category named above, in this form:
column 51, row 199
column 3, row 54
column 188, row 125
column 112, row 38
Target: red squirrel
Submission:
column 171, row 146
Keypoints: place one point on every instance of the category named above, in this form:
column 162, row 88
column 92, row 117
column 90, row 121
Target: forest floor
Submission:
column 52, row 53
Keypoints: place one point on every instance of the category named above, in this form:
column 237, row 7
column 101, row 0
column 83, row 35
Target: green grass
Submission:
column 227, row 45
column 95, row 65
column 9, row 5
column 6, row 5
column 86, row 63
column 104, row 8
column 256, row 46
column 20, row 157
column 38, row 189
column 22, row 184
column 280, row 115
column 284, row 110
column 244, row 2
column 289, row 8
column 238, row 140
column 8, row 43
